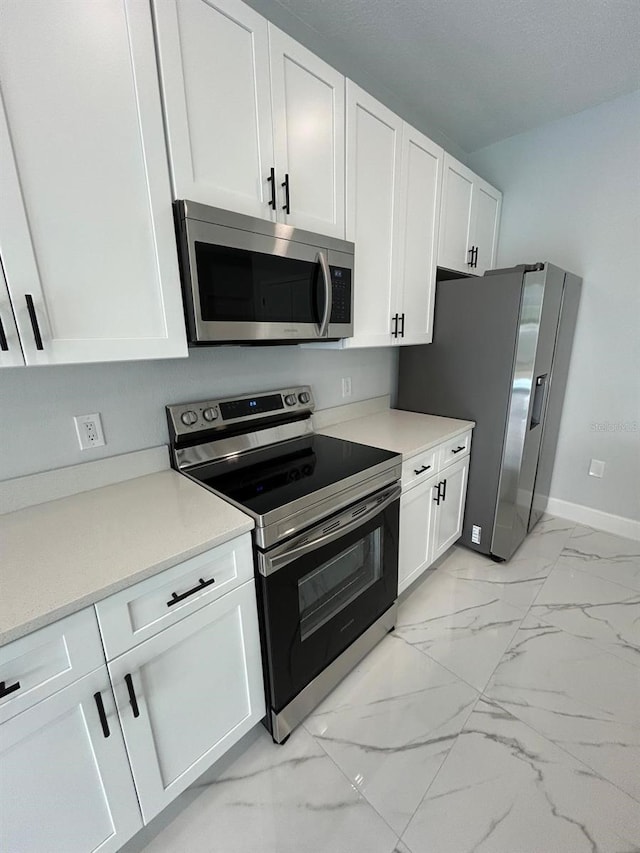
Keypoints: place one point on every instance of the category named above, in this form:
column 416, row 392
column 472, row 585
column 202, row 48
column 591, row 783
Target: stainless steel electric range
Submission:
column 325, row 541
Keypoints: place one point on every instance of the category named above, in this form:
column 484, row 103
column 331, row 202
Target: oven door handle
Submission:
column 328, row 295
column 328, row 532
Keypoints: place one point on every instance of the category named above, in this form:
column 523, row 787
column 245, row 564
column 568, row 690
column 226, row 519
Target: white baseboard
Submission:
column 616, row 524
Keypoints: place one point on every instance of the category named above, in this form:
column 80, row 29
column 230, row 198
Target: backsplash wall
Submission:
column 38, row 404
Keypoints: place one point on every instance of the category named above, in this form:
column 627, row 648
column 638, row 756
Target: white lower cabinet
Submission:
column 65, row 783
column 188, row 694
column 416, row 522
column 449, row 514
column 431, row 510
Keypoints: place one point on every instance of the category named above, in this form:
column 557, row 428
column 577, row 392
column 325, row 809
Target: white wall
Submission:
column 572, row 197
column 37, row 404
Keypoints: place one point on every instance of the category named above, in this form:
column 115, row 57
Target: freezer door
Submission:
column 537, row 330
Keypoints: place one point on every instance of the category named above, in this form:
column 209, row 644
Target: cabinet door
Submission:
column 10, row 349
column 308, row 126
column 416, row 236
column 64, row 786
column 188, row 694
column 86, row 228
column 449, row 514
column 416, row 519
column 373, row 166
column 214, row 68
column 455, row 218
column 487, row 203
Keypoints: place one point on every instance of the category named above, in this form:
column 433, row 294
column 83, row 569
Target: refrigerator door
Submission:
column 557, row 385
column 537, row 331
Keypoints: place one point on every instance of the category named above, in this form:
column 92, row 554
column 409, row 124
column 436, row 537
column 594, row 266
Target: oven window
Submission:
column 328, row 589
column 237, row 285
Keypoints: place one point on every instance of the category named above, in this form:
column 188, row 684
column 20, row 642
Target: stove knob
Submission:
column 188, row 418
column 304, row 397
column 290, row 399
column 210, row 414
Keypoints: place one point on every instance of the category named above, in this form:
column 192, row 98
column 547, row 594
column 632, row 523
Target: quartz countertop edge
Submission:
column 408, row 433
column 64, row 555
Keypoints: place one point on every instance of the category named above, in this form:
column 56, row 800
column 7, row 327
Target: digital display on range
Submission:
column 255, row 406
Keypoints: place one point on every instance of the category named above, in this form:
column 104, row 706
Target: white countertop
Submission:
column 407, row 433
column 61, row 556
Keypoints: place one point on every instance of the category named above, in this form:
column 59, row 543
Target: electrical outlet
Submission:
column 596, row 469
column 346, row 386
column 89, row 430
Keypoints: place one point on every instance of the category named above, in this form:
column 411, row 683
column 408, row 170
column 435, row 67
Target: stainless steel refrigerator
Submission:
column 500, row 356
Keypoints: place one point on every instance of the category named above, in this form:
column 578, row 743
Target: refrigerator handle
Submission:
column 539, row 397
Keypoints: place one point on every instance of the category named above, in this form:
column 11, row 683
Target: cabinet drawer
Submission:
column 135, row 614
column 454, row 449
column 38, row 665
column 419, row 468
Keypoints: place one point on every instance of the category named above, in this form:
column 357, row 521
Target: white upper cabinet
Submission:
column 416, row 236
column 86, row 228
column 469, row 220
column 488, row 202
column 214, row 65
column 308, row 121
column 10, row 350
column 373, row 172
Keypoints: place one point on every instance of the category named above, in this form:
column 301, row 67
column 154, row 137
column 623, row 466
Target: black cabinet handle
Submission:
column 421, row 470
column 5, row 691
column 175, row 598
column 133, row 701
column 101, row 713
column 475, row 257
column 402, row 329
column 470, row 253
column 272, row 180
column 287, row 200
column 394, row 320
column 4, row 346
column 444, row 490
column 458, row 449
column 34, row 321
column 437, row 497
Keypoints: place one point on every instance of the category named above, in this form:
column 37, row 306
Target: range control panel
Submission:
column 192, row 418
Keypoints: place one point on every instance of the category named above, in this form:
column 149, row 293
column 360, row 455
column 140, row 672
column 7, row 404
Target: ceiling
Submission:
column 483, row 70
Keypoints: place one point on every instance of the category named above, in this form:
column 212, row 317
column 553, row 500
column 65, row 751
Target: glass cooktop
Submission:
column 269, row 478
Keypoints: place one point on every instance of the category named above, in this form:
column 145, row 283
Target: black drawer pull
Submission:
column 470, row 253
column 421, row 470
column 5, row 691
column 133, row 700
column 444, row 491
column 4, row 346
column 458, row 449
column 175, row 598
column 101, row 713
column 31, row 308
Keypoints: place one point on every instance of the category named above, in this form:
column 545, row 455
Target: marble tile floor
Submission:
column 501, row 716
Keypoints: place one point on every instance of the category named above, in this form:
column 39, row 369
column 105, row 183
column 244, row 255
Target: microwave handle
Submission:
column 328, row 295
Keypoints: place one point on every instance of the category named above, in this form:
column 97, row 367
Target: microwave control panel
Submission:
column 341, row 287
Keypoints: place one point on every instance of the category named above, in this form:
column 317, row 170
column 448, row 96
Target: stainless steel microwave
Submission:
column 250, row 280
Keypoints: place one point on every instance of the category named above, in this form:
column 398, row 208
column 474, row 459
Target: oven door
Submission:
column 245, row 286
column 323, row 589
